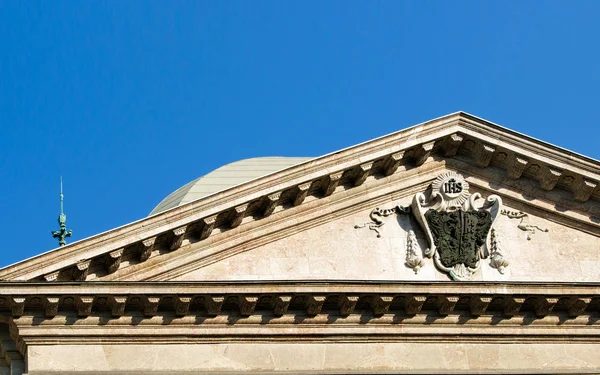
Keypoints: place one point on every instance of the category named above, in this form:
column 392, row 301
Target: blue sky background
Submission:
column 129, row 100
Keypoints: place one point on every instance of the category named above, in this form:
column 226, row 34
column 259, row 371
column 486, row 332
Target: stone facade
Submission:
column 333, row 266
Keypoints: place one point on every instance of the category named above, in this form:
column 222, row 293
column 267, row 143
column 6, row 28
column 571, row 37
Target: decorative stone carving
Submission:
column 151, row 306
column 478, row 305
column 347, row 304
column 381, row 304
column 362, row 172
column 238, row 214
column 512, row 305
column 447, row 304
column 517, row 167
column 421, row 153
column 270, row 203
column 413, row 257
column 451, row 143
column 302, row 192
column 576, row 306
column 583, row 190
column 80, row 270
column 84, row 305
column 549, row 178
column 483, row 154
column 208, row 226
column 182, row 305
column 543, row 306
column 414, row 304
column 214, row 305
column 314, row 304
column 524, row 224
column 247, row 304
column 17, row 307
column 52, row 276
column 331, row 182
column 281, row 304
column 178, row 234
column 457, row 224
column 497, row 259
column 392, row 163
column 113, row 260
column 378, row 213
column 147, row 247
column 51, row 306
column 118, row 306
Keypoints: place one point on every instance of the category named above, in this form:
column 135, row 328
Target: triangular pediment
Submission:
column 299, row 223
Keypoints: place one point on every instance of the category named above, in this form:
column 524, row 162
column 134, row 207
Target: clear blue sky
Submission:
column 129, row 100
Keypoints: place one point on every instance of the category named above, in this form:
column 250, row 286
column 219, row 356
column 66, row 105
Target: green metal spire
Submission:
column 62, row 233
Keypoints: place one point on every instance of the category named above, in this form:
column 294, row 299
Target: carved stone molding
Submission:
column 81, row 269
column 147, row 247
column 270, row 203
column 549, row 178
column 238, row 214
column 421, row 153
column 314, row 304
column 512, row 305
column 182, row 305
column 447, row 304
column 392, row 163
column 151, row 306
column 214, row 304
column 17, row 306
column 331, row 182
column 113, row 260
column 247, row 304
column 544, row 305
column 178, row 234
column 362, row 172
column 51, row 306
column 118, row 305
column 414, row 304
column 52, row 276
column 517, row 166
column 583, row 190
column 84, row 305
column 281, row 304
column 451, row 143
column 483, row 154
column 301, row 193
column 577, row 306
column 208, row 224
column 347, row 304
column 478, row 305
column 381, row 304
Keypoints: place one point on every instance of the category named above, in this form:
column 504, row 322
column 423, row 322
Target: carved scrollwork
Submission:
column 376, row 216
column 524, row 223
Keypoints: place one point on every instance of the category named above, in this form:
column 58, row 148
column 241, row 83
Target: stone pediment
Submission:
column 299, row 223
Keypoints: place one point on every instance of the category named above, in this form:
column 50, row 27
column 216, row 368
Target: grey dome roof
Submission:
column 227, row 176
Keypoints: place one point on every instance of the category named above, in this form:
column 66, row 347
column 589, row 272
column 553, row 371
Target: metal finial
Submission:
column 62, row 233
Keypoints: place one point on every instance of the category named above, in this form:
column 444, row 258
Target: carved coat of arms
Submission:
column 457, row 224
column 458, row 227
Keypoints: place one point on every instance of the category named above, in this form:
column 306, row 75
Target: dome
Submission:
column 225, row 177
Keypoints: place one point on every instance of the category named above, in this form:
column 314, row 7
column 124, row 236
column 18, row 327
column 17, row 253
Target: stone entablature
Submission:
column 529, row 165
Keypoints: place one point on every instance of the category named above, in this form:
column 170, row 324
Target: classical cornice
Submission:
column 311, row 298
column 569, row 178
